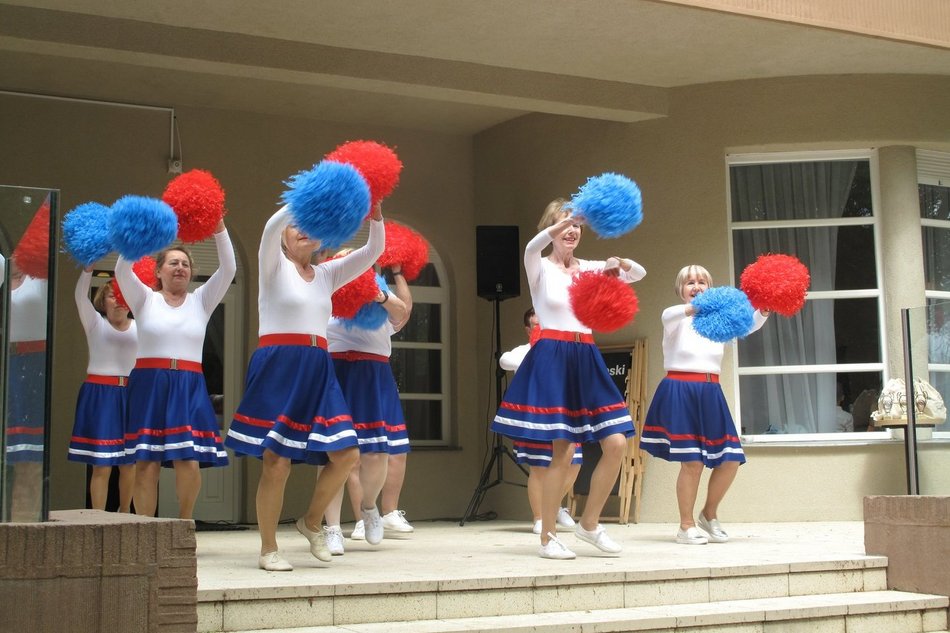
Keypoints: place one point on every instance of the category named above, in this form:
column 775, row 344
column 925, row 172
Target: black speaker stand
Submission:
column 499, row 449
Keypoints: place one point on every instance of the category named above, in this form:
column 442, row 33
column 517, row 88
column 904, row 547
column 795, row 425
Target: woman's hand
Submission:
column 377, row 213
column 612, row 267
column 220, row 228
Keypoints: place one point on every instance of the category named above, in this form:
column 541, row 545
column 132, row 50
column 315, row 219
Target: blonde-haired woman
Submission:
column 689, row 421
column 563, row 393
column 293, row 410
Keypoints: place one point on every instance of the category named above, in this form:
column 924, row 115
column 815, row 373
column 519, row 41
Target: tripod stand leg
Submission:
column 480, row 490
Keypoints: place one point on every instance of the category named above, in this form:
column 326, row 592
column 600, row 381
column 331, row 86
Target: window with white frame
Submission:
column 821, row 370
column 420, row 355
column 933, row 178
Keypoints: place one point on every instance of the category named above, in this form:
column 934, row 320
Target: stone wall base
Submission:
column 88, row 570
column 914, row 533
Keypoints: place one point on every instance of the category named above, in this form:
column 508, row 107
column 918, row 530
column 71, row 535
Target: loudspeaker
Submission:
column 497, row 262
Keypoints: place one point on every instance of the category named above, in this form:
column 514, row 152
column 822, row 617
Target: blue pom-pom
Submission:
column 610, row 204
column 86, row 233
column 140, row 226
column 328, row 202
column 371, row 316
column 722, row 314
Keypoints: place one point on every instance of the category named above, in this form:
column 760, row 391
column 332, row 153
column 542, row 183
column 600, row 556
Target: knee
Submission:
column 275, row 466
column 613, row 446
column 692, row 469
column 346, row 458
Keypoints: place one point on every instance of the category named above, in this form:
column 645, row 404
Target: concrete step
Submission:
column 532, row 596
column 865, row 612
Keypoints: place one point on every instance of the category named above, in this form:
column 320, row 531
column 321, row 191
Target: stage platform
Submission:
column 444, row 577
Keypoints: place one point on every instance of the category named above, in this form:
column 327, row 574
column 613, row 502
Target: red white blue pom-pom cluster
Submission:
column 378, row 165
column 777, row 283
column 372, row 315
column 353, row 295
column 86, row 233
column 405, row 248
column 602, row 302
column 144, row 269
column 141, row 226
column 31, row 254
column 611, row 204
column 722, row 314
column 198, row 201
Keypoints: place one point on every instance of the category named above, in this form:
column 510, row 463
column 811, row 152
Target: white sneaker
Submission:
column 564, row 518
column 598, row 538
column 318, row 544
column 713, row 529
column 555, row 549
column 373, row 525
column 692, row 536
column 359, row 531
column 272, row 561
column 537, row 527
column 334, row 537
column 396, row 521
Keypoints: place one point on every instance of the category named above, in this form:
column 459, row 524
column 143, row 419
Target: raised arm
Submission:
column 628, row 270
column 348, row 268
column 213, row 290
column 673, row 315
column 532, row 251
column 88, row 315
column 134, row 291
column 401, row 288
column 270, row 252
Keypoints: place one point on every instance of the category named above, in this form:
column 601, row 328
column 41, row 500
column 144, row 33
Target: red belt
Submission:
column 168, row 363
column 28, row 347
column 561, row 335
column 353, row 356
column 113, row 381
column 692, row 376
column 308, row 340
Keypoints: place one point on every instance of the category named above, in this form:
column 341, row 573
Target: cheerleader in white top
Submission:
column 98, row 437
column 688, row 420
column 361, row 361
column 293, row 409
column 563, row 393
column 171, row 419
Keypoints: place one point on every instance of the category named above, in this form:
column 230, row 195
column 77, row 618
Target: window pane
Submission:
column 808, row 403
column 936, row 258
column 428, row 277
column 941, row 382
column 938, row 331
column 423, row 419
column 425, row 325
column 838, row 257
column 417, row 370
column 826, row 331
column 797, row 191
column 934, row 202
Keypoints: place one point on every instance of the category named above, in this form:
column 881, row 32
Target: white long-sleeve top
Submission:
column 111, row 351
column 378, row 341
column 684, row 349
column 289, row 304
column 512, row 359
column 28, row 304
column 166, row 331
column 549, row 285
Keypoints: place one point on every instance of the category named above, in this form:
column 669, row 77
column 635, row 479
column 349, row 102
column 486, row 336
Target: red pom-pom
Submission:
column 198, row 201
column 378, row 164
column 144, row 269
column 349, row 298
column 777, row 283
column 406, row 248
column 601, row 302
column 31, row 255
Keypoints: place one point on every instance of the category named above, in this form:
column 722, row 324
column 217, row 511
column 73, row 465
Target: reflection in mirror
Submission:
column 25, row 245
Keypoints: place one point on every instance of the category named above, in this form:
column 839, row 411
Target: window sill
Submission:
column 836, row 439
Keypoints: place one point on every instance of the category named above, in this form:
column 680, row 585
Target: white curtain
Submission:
column 794, row 191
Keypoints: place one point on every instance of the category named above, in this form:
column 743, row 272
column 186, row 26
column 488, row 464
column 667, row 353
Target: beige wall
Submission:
column 679, row 163
column 504, row 175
